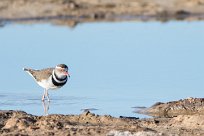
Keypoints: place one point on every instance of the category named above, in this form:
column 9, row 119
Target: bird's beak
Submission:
column 67, row 74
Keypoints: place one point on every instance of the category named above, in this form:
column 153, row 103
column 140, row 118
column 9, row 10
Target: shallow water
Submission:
column 113, row 66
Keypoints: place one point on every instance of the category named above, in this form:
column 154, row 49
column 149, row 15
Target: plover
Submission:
column 50, row 78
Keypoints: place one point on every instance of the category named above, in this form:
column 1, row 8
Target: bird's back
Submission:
column 39, row 75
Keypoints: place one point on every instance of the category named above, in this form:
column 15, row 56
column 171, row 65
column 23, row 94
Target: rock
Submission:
column 187, row 106
column 15, row 122
column 11, row 123
column 127, row 133
column 195, row 121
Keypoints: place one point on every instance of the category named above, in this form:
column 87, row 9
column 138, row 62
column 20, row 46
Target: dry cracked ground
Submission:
column 188, row 122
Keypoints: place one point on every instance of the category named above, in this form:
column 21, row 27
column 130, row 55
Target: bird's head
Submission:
column 61, row 71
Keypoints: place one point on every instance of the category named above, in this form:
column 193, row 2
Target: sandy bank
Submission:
column 71, row 12
column 21, row 123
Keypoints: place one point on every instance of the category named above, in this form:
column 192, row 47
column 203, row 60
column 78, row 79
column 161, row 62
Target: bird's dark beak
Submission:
column 67, row 74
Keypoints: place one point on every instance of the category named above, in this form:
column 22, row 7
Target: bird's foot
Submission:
column 43, row 98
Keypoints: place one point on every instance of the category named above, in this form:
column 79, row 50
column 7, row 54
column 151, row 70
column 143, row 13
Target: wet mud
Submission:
column 72, row 12
column 183, row 117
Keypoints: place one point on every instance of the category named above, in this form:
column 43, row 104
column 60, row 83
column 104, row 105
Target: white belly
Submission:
column 47, row 84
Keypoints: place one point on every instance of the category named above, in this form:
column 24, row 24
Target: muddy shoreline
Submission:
column 182, row 117
column 87, row 123
column 70, row 13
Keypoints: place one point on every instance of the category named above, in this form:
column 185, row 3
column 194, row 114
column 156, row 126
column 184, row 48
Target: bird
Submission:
column 50, row 78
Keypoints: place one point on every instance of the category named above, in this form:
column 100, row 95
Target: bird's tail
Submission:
column 29, row 71
column 26, row 69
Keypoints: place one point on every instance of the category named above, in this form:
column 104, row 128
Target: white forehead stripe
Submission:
column 60, row 67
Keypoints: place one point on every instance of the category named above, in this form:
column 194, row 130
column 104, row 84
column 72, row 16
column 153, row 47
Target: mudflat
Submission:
column 90, row 124
column 71, row 12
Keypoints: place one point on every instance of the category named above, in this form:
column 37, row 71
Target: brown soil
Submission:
column 71, row 12
column 187, row 106
column 89, row 124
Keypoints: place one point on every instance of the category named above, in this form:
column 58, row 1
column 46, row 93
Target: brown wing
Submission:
column 40, row 74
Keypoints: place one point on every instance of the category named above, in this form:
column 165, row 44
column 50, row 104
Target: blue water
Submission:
column 113, row 66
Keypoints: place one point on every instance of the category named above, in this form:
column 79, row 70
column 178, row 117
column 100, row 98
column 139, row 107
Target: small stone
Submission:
column 72, row 5
column 12, row 122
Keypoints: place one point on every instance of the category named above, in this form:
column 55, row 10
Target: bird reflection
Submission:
column 46, row 105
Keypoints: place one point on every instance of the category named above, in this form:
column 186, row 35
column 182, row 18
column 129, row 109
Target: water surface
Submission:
column 113, row 66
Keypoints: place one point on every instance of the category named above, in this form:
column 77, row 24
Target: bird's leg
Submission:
column 45, row 107
column 47, row 95
column 43, row 97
